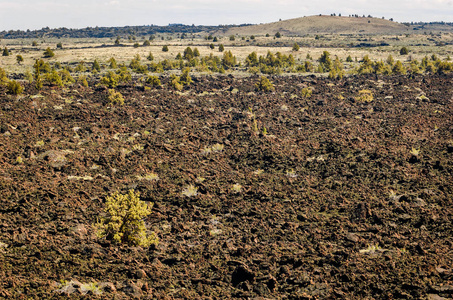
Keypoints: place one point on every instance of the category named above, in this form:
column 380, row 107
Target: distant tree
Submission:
column 112, row 63
column 325, row 61
column 215, row 39
column 136, row 45
column 296, row 47
column 117, row 41
column 252, row 60
column 278, row 35
column 404, row 51
column 146, row 43
column 48, row 53
column 221, row 48
column 152, row 37
column 228, row 60
column 5, row 52
column 252, row 37
column 34, row 43
column 165, row 48
column 96, row 66
column 390, row 60
column 185, row 78
column 19, row 59
column 3, row 76
column 398, row 68
column 188, row 53
column 196, row 53
column 349, row 58
column 39, row 63
column 267, row 35
column 150, row 56
column 59, row 46
column 211, row 46
column 232, row 38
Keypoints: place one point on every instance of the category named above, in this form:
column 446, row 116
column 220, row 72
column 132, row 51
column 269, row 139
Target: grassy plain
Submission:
column 89, row 49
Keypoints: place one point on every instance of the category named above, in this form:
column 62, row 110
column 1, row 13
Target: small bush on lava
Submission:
column 14, row 88
column 115, row 97
column 153, row 80
column 124, row 222
column 365, row 96
column 265, row 85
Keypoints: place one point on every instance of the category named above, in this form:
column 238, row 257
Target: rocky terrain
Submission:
column 324, row 196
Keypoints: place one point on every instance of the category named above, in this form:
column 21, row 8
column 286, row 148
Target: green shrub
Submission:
column 296, row 47
column 110, row 79
column 80, row 67
column 48, row 53
column 228, row 60
column 252, row 60
column 124, row 221
column 19, row 59
column 83, row 80
column 221, row 48
column 325, row 62
column 364, row 96
column 165, row 48
column 175, row 82
column 265, row 85
column 404, row 51
column 54, row 78
column 306, row 92
column 185, row 78
column 40, row 67
column 115, row 97
column 5, row 52
column 14, row 88
column 153, row 80
column 96, row 66
column 398, row 68
column 3, row 77
column 66, row 77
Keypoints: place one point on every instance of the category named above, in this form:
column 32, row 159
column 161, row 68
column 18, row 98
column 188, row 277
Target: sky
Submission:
column 36, row 14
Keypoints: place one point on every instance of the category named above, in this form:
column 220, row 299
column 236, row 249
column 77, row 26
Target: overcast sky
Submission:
column 36, row 14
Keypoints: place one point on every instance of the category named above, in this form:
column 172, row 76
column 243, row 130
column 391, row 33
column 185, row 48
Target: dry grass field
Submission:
column 89, row 49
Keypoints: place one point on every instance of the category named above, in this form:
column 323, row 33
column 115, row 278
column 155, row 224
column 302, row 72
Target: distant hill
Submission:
column 294, row 27
column 322, row 25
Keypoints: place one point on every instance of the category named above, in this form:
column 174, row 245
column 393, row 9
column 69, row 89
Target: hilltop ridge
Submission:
column 323, row 24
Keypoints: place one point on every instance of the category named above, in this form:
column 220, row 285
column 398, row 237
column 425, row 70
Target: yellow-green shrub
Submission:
column 124, row 221
column 265, row 85
column 115, row 97
column 14, row 88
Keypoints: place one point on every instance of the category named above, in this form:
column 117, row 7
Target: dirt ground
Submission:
column 321, row 197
